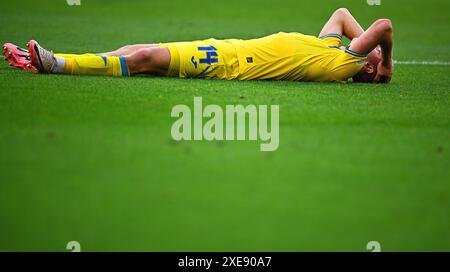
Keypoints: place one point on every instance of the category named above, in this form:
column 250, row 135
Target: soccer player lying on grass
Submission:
column 281, row 56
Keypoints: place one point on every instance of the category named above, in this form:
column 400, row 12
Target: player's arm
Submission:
column 342, row 22
column 379, row 33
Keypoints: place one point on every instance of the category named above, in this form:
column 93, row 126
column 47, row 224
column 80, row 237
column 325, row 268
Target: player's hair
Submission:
column 365, row 77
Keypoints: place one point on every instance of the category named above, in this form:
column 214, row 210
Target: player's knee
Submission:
column 143, row 61
column 386, row 24
column 145, row 55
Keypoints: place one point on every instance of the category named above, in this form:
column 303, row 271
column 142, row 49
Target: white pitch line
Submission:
column 419, row 62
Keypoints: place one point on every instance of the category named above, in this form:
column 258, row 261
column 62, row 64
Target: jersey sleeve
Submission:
column 332, row 39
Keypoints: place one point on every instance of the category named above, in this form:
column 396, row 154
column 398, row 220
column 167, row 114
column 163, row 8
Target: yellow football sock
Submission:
column 96, row 65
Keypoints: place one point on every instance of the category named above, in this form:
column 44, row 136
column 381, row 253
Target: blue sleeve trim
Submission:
column 331, row 36
column 123, row 65
column 355, row 54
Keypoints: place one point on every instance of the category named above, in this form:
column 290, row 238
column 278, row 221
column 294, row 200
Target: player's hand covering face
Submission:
column 384, row 72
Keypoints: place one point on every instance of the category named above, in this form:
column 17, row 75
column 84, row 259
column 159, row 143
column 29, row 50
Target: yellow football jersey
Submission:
column 281, row 56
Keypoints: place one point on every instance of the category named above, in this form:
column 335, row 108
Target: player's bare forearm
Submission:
column 342, row 22
column 352, row 29
column 385, row 67
column 379, row 33
column 386, row 44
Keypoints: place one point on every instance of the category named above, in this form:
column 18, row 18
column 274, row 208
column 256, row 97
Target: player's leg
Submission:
column 129, row 49
column 342, row 22
column 88, row 64
column 124, row 50
column 148, row 60
column 153, row 60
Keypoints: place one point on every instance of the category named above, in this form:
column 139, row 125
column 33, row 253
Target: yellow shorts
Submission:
column 207, row 59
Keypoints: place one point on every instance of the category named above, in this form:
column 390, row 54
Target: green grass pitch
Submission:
column 91, row 159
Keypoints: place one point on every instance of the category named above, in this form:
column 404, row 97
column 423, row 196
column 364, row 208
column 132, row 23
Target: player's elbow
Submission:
column 384, row 24
column 341, row 11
